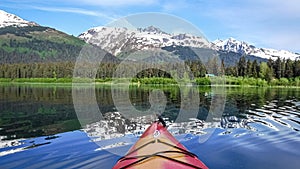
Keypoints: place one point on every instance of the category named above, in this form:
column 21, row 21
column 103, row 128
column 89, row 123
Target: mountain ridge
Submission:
column 116, row 39
column 233, row 45
column 8, row 19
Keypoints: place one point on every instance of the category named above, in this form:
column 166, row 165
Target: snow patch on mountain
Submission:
column 233, row 45
column 115, row 40
column 7, row 19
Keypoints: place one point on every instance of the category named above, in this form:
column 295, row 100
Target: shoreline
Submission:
column 134, row 81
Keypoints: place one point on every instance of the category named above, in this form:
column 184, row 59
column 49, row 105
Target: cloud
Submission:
column 75, row 10
column 174, row 5
column 265, row 23
column 277, row 39
column 288, row 8
column 115, row 3
column 101, row 3
column 270, row 23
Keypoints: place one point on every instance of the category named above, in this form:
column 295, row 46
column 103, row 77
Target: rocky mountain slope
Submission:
column 23, row 41
column 233, row 45
column 7, row 19
column 115, row 40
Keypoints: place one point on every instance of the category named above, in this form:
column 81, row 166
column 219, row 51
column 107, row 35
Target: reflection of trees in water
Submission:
column 27, row 111
column 34, row 110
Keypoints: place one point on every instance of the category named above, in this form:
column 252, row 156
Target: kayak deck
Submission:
column 157, row 148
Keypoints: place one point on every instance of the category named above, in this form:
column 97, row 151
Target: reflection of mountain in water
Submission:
column 271, row 116
column 32, row 111
column 115, row 125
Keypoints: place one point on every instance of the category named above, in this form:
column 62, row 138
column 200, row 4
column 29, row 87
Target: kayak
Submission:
column 158, row 149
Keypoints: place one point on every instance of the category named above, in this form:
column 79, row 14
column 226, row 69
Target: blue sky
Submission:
column 264, row 23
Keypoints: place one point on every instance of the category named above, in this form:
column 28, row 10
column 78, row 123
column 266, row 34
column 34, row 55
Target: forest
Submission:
column 46, row 55
column 37, row 44
column 280, row 68
column 272, row 72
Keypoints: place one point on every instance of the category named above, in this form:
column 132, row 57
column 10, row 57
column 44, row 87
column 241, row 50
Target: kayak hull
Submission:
column 157, row 148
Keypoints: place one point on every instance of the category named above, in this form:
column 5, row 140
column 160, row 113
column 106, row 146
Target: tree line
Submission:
column 279, row 68
column 104, row 70
column 272, row 69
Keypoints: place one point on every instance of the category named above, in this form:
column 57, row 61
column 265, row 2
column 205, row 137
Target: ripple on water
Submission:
column 276, row 117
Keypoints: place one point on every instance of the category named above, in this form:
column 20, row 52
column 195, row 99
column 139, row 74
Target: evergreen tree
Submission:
column 296, row 68
column 277, row 68
column 254, row 69
column 289, row 69
column 283, row 67
column 241, row 66
column 222, row 67
column 249, row 69
column 270, row 63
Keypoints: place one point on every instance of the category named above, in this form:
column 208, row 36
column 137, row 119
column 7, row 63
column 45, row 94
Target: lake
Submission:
column 227, row 127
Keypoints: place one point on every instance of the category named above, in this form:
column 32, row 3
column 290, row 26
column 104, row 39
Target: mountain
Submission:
column 120, row 40
column 28, row 50
column 22, row 41
column 29, row 44
column 233, row 45
column 117, row 40
column 7, row 19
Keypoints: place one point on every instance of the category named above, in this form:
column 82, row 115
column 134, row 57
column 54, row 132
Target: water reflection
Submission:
column 41, row 110
column 254, row 120
column 30, row 111
column 277, row 116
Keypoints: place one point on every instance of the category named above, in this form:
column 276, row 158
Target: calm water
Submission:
column 257, row 127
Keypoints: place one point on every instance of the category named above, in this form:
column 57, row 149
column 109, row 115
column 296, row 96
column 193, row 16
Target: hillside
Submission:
column 37, row 44
column 193, row 54
column 28, row 50
column 39, row 52
column 122, row 41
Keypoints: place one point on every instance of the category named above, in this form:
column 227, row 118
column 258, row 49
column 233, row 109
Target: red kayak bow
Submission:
column 158, row 149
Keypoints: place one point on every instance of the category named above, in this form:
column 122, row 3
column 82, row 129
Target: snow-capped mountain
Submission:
column 115, row 40
column 233, row 45
column 7, row 19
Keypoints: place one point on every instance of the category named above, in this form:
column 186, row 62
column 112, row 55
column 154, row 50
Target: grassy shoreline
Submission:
column 204, row 81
